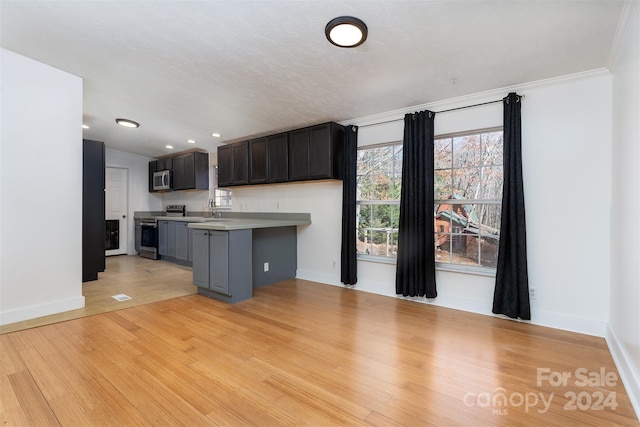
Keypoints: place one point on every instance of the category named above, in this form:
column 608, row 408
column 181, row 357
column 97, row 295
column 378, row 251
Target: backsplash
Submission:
column 195, row 201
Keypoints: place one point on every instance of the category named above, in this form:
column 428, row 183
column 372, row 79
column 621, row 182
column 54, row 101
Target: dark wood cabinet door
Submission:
column 225, row 166
column 187, row 171
column 240, row 159
column 320, row 151
column 178, row 173
column 299, row 154
column 277, row 158
column 201, row 170
column 165, row 164
column 258, row 161
column 153, row 167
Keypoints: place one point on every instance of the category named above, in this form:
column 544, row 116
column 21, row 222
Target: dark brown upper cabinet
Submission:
column 191, row 171
column 233, row 164
column 240, row 151
column 258, row 161
column 225, row 166
column 316, row 152
column 304, row 154
column 268, row 159
column 153, row 167
column 278, row 158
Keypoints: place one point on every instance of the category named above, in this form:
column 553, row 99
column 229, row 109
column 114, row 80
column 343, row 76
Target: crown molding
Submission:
column 475, row 98
column 621, row 32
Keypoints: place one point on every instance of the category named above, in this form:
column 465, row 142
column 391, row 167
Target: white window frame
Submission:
column 444, row 266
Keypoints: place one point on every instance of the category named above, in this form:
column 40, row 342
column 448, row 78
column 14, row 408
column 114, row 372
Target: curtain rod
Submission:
column 439, row 112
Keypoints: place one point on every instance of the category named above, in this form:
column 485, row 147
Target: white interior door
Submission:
column 117, row 183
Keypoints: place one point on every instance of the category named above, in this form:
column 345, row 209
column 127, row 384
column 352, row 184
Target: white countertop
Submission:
column 227, row 224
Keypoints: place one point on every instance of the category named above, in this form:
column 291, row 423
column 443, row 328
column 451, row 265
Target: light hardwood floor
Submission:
column 142, row 279
column 302, row 353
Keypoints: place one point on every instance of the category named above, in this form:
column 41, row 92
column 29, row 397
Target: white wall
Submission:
column 566, row 148
column 624, row 321
column 318, row 243
column 40, row 220
column 139, row 198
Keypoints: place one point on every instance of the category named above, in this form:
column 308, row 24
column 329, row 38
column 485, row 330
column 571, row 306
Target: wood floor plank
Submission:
column 35, row 408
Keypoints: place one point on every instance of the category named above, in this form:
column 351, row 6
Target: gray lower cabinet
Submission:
column 219, row 261
column 200, row 257
column 174, row 240
column 190, row 256
column 138, row 235
column 171, row 239
column 222, row 264
column 182, row 240
column 163, row 237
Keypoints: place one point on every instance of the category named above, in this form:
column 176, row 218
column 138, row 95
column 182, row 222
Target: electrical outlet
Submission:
column 533, row 293
column 266, row 267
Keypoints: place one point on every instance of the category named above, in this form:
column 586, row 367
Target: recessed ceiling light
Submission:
column 127, row 123
column 85, row 127
column 170, row 147
column 346, row 31
column 191, row 141
column 216, row 135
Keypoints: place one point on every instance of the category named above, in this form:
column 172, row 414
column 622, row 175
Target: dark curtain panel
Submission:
column 416, row 271
column 511, row 296
column 349, row 267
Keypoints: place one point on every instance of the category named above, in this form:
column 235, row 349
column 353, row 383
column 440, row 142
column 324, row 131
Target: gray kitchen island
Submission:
column 240, row 252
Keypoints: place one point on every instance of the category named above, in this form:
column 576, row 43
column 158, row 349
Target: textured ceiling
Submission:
column 185, row 69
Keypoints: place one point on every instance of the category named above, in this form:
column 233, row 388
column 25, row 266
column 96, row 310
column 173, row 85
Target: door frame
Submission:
column 124, row 243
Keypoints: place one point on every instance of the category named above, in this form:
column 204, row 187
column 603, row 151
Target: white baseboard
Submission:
column 539, row 317
column 40, row 310
column 628, row 372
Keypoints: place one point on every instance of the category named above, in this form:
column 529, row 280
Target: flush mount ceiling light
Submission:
column 85, row 127
column 170, row 147
column 127, row 123
column 346, row 31
column 191, row 141
column 216, row 135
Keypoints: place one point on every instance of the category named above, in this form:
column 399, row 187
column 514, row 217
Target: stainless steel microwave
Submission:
column 162, row 180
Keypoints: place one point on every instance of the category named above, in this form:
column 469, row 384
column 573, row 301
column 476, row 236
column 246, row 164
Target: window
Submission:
column 378, row 199
column 221, row 196
column 467, row 205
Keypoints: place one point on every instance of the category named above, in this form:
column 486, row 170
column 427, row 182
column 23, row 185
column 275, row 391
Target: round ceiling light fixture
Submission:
column 127, row 123
column 216, row 135
column 346, row 31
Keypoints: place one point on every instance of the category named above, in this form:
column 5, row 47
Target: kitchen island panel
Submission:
column 274, row 249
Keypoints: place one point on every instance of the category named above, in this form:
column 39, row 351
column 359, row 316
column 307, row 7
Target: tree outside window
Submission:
column 468, row 194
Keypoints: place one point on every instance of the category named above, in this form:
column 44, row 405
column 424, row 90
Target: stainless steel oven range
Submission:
column 149, row 238
column 149, row 231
